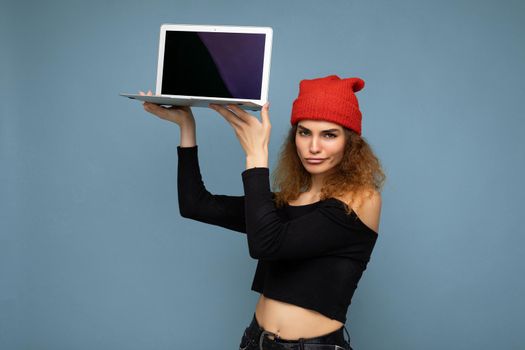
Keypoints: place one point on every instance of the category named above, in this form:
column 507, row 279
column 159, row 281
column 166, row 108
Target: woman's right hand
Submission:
column 176, row 114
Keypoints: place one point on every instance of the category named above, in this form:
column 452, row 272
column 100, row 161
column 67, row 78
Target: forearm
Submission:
column 197, row 203
column 188, row 136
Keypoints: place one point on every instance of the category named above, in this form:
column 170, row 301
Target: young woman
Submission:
column 313, row 238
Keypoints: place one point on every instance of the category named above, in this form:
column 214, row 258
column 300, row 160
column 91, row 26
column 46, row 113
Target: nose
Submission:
column 314, row 145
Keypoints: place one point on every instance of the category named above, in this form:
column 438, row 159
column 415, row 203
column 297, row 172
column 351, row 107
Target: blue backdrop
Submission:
column 94, row 253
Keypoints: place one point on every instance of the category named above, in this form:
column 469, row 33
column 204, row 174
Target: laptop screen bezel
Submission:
column 268, row 31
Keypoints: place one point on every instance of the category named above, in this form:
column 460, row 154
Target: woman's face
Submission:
column 320, row 145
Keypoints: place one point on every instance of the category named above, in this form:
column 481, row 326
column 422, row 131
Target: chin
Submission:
column 312, row 169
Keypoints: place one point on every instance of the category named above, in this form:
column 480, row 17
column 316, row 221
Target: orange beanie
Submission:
column 330, row 98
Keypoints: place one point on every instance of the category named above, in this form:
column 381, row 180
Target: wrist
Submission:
column 257, row 160
column 188, row 122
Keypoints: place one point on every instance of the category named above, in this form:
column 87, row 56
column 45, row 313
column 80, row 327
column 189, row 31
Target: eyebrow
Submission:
column 329, row 130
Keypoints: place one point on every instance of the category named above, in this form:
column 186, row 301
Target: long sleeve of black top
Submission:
column 327, row 230
column 197, row 203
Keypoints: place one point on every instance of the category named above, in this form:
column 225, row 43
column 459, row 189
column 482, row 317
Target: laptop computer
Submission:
column 203, row 64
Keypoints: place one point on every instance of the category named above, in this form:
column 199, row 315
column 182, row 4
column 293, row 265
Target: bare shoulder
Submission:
column 368, row 209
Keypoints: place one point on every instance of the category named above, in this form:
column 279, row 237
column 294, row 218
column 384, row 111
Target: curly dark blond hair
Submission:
column 358, row 175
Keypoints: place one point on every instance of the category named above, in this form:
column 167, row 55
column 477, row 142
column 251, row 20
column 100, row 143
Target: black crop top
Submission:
column 309, row 255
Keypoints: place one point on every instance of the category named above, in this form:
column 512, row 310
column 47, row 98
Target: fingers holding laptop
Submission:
column 175, row 114
column 254, row 135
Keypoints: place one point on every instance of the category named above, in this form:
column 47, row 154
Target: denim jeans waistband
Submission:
column 255, row 332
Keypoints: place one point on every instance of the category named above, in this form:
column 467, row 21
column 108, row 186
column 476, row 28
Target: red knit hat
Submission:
column 330, row 98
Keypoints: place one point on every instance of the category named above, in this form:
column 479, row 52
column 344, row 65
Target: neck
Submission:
column 316, row 184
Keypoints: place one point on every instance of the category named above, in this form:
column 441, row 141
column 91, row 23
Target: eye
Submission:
column 301, row 132
column 331, row 135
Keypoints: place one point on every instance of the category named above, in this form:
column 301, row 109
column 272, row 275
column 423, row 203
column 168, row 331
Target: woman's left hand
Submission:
column 253, row 135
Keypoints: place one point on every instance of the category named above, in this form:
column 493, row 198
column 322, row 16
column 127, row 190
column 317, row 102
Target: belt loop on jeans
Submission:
column 348, row 335
column 301, row 344
column 261, row 338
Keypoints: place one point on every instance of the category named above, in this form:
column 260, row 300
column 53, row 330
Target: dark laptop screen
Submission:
column 213, row 64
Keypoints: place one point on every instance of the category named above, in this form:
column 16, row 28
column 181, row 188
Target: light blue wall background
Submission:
column 94, row 253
